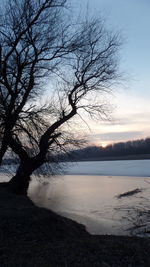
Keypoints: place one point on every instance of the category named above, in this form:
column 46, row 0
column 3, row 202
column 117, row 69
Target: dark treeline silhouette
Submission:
column 123, row 149
column 132, row 149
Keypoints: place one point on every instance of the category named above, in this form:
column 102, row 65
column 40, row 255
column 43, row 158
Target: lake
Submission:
column 87, row 193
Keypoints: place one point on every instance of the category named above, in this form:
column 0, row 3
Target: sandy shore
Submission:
column 36, row 237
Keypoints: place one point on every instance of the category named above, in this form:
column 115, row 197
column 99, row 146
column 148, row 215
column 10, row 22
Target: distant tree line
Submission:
column 122, row 149
column 137, row 147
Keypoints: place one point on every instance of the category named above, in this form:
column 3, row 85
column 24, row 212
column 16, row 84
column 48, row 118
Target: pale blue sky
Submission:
column 131, row 118
column 132, row 100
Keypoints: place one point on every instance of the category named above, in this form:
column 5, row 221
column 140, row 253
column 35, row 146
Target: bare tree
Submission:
column 39, row 48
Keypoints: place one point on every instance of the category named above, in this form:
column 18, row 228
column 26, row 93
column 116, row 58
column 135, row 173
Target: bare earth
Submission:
column 36, row 237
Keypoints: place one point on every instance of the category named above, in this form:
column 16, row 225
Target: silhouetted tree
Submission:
column 39, row 48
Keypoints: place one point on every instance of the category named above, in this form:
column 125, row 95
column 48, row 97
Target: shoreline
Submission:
column 113, row 158
column 34, row 237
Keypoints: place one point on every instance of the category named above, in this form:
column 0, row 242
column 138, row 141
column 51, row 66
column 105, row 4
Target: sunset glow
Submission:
column 130, row 120
column 103, row 144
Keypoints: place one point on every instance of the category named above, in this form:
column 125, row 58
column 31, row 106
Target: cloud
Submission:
column 115, row 136
column 132, row 118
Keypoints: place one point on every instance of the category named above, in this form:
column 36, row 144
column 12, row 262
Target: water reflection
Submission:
column 91, row 200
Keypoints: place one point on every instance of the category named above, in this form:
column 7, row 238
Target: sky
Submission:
column 131, row 98
column 130, row 119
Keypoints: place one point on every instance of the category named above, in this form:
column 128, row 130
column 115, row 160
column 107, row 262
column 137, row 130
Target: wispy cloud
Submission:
column 113, row 137
column 116, row 135
column 132, row 118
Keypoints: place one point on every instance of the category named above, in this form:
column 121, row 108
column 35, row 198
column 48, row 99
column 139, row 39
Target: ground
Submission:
column 36, row 237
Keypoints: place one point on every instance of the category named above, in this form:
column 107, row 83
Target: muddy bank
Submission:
column 34, row 237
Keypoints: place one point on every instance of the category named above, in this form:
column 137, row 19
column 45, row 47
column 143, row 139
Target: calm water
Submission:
column 91, row 200
column 87, row 193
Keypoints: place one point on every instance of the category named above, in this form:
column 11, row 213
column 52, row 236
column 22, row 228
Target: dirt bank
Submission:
column 36, row 237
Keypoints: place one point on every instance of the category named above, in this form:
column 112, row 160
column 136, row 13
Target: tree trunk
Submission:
column 3, row 150
column 19, row 184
